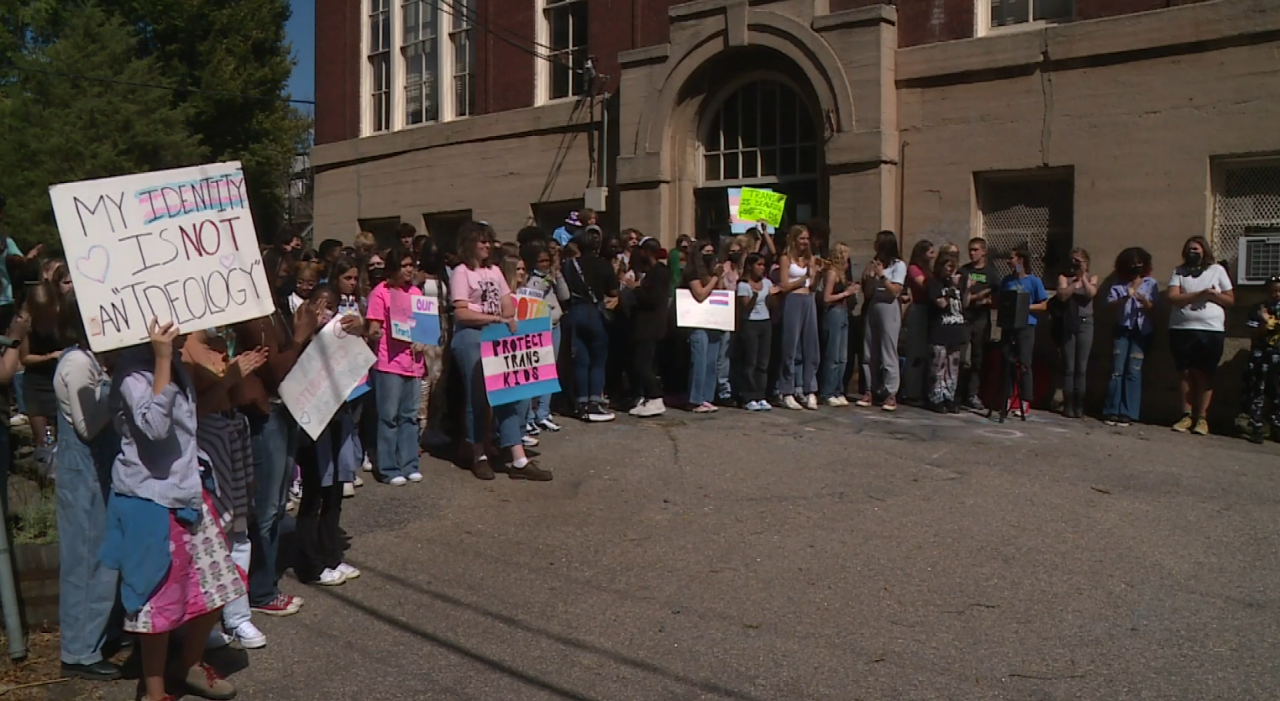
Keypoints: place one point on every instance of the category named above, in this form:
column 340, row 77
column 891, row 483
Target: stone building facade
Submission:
column 1058, row 123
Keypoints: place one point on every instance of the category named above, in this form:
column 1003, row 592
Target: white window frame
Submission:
column 710, row 121
column 982, row 20
column 462, row 27
column 543, row 79
column 367, row 99
column 446, row 34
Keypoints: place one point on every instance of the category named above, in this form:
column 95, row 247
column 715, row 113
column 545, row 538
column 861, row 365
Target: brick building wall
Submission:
column 338, row 65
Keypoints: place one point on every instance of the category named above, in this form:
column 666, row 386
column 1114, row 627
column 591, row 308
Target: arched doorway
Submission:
column 759, row 132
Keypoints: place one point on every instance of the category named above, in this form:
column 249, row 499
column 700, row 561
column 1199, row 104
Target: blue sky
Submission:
column 301, row 31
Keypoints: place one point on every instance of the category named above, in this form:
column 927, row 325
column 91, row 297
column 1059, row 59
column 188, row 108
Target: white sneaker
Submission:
column 19, row 420
column 331, row 578
column 528, row 441
column 366, row 465
column 638, row 409
column 348, row 571
column 548, row 425
column 811, row 402
column 790, row 402
column 653, row 407
column 358, row 482
column 348, row 490
column 397, row 481
column 415, row 476
column 250, row 637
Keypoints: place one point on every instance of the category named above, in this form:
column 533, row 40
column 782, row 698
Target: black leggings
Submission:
column 318, row 522
column 644, row 380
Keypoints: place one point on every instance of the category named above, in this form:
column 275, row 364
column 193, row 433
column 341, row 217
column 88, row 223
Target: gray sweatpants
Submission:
column 880, row 347
column 799, row 339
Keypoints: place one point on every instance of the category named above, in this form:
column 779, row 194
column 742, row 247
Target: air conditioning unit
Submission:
column 1259, row 259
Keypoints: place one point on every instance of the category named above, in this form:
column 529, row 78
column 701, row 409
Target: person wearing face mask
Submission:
column 1021, row 280
column 1133, row 294
column 1200, row 292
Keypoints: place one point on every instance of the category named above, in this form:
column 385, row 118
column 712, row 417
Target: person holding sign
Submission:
column 482, row 297
column 800, row 272
column 327, row 463
column 703, row 275
column 162, row 535
column 395, row 376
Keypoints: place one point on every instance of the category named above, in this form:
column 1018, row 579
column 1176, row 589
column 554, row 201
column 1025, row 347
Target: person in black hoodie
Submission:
column 593, row 289
column 651, row 287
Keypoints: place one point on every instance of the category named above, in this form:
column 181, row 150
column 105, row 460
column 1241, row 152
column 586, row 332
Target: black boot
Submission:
column 1077, row 405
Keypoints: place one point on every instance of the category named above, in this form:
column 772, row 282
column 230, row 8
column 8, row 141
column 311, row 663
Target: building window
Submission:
column 996, row 14
column 443, row 227
column 1028, row 209
column 462, row 39
column 380, row 65
column 421, row 50
column 762, row 132
column 1246, row 200
column 565, row 30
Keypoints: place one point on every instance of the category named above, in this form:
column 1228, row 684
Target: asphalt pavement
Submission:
column 844, row 554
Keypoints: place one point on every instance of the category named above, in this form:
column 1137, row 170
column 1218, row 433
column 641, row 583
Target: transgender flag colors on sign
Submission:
column 518, row 365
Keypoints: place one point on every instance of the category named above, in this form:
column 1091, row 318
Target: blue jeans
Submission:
column 507, row 417
column 274, row 440
column 590, row 351
column 835, row 351
column 1124, row 391
column 543, row 410
column 704, row 349
column 724, row 388
column 17, row 393
column 398, row 397
column 87, row 589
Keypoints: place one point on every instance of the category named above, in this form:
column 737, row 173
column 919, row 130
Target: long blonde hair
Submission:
column 840, row 261
column 793, row 237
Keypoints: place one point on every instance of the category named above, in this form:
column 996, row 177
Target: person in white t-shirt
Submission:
column 1200, row 292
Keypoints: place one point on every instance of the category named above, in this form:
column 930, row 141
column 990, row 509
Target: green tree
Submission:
column 235, row 54
column 61, row 128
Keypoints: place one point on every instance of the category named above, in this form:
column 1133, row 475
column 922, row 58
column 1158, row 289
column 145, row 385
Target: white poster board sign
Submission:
column 326, row 372
column 714, row 312
column 174, row 245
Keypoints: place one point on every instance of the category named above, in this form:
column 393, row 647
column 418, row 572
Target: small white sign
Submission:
column 175, row 245
column 325, row 374
column 715, row 312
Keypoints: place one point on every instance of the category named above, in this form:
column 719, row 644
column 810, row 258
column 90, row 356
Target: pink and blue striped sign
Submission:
column 518, row 365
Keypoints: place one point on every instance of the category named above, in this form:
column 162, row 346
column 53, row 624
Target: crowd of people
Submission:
column 175, row 460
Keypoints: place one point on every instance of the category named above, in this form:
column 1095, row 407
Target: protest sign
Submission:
column 518, row 365
column 426, row 321
column 531, row 304
column 400, row 312
column 326, row 373
column 176, row 245
column 761, row 205
column 714, row 312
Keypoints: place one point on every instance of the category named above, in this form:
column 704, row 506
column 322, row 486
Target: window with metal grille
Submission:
column 1246, row 200
column 565, row 26
column 443, row 227
column 380, row 65
column 994, row 14
column 1033, row 210
column 763, row 132
column 462, row 38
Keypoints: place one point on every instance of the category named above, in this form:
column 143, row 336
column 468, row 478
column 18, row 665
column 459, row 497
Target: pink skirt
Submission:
column 201, row 578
